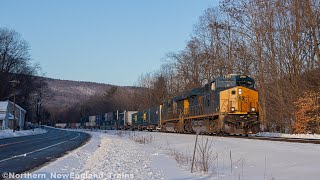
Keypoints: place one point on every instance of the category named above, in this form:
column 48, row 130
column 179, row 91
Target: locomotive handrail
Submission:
column 223, row 106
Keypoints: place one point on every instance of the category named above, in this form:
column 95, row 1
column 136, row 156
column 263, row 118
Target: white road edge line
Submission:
column 25, row 154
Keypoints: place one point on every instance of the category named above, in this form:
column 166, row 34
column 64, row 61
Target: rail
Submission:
column 265, row 138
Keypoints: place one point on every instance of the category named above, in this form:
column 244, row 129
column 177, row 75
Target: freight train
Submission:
column 111, row 121
column 226, row 105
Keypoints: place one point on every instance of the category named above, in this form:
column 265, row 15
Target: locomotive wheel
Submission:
column 220, row 133
column 188, row 127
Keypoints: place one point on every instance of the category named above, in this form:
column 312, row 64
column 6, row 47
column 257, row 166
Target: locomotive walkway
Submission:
column 21, row 154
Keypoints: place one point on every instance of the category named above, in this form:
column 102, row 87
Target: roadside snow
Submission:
column 105, row 156
column 303, row 136
column 9, row 133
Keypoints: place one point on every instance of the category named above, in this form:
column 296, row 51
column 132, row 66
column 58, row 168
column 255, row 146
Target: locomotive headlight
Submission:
column 253, row 109
column 240, row 91
column 232, row 109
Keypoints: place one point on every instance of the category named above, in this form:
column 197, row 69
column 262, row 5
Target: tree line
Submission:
column 276, row 42
column 112, row 99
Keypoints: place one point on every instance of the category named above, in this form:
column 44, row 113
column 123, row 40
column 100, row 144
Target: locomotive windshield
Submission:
column 226, row 83
column 233, row 81
column 246, row 83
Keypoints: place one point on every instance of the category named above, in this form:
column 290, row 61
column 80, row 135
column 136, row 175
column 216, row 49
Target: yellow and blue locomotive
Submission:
column 226, row 105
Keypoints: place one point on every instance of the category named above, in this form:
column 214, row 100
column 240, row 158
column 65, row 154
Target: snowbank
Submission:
column 107, row 156
column 9, row 133
column 303, row 136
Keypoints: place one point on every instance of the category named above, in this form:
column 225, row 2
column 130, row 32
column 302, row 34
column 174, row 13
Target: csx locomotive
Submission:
column 226, row 105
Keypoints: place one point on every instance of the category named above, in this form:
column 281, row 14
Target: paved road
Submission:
column 20, row 154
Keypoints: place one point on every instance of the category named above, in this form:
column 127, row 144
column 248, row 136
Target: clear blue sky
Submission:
column 102, row 40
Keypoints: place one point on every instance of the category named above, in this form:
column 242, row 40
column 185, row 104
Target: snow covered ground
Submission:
column 9, row 133
column 105, row 156
column 251, row 159
column 153, row 155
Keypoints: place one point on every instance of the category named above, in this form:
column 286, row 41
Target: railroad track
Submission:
column 265, row 138
column 279, row 139
column 293, row 140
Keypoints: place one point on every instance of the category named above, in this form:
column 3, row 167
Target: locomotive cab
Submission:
column 238, row 104
column 239, row 100
column 239, row 107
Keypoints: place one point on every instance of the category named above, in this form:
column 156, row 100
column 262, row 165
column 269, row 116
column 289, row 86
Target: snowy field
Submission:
column 153, row 155
column 9, row 133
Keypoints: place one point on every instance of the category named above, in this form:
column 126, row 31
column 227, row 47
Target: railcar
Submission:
column 137, row 121
column 111, row 119
column 120, row 120
column 100, row 121
column 147, row 119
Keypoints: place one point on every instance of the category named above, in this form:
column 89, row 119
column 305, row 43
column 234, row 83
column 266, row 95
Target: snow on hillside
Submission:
column 68, row 93
column 9, row 133
column 153, row 155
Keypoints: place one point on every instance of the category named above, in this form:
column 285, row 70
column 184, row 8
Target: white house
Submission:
column 6, row 115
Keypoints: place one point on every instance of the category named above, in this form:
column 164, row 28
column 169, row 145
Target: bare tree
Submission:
column 14, row 58
column 15, row 64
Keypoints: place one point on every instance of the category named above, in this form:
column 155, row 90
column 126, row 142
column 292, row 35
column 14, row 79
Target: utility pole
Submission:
column 38, row 111
column 195, row 149
column 14, row 83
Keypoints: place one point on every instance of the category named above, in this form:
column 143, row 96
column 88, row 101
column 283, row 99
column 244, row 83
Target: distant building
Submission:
column 6, row 115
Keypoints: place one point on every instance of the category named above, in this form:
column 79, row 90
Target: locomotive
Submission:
column 226, row 105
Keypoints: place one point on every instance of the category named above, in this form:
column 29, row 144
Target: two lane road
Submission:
column 21, row 154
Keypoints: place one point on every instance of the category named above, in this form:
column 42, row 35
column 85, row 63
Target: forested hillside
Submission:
column 67, row 101
column 66, row 93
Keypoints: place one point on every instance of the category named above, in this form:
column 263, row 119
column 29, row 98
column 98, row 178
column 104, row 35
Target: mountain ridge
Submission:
column 66, row 93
